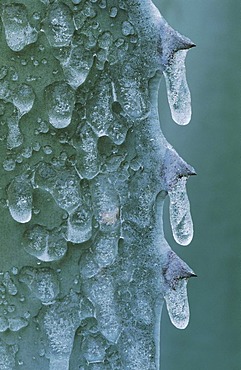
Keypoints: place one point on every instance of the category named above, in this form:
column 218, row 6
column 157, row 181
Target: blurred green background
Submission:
column 211, row 143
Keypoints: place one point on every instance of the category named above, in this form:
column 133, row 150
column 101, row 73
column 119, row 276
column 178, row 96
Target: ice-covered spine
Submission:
column 87, row 192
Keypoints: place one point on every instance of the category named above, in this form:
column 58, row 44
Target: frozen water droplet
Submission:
column 59, row 324
column 106, row 249
column 17, row 323
column 101, row 294
column 43, row 282
column 3, row 324
column 14, row 138
column 18, row 31
column 60, row 99
column 178, row 93
column 59, row 25
column 88, row 163
column 9, row 164
column 77, row 65
column 79, row 227
column 113, row 12
column 106, row 203
column 176, row 274
column 93, row 348
column 177, row 304
column 66, row 191
column 20, row 199
column 127, row 28
column 180, row 215
column 44, row 244
column 23, row 98
column 9, row 284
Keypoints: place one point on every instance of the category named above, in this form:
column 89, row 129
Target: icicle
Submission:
column 176, row 172
column 176, row 276
column 174, row 48
column 178, row 93
column 180, row 215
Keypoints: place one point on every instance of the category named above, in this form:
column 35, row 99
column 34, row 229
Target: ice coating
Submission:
column 180, row 215
column 178, row 93
column 18, row 31
column 79, row 115
column 20, row 199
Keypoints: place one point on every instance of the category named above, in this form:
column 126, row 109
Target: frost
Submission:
column 178, row 93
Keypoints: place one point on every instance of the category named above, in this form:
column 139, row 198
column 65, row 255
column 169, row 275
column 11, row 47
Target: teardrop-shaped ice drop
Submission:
column 180, row 215
column 177, row 304
column 178, row 93
column 20, row 199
